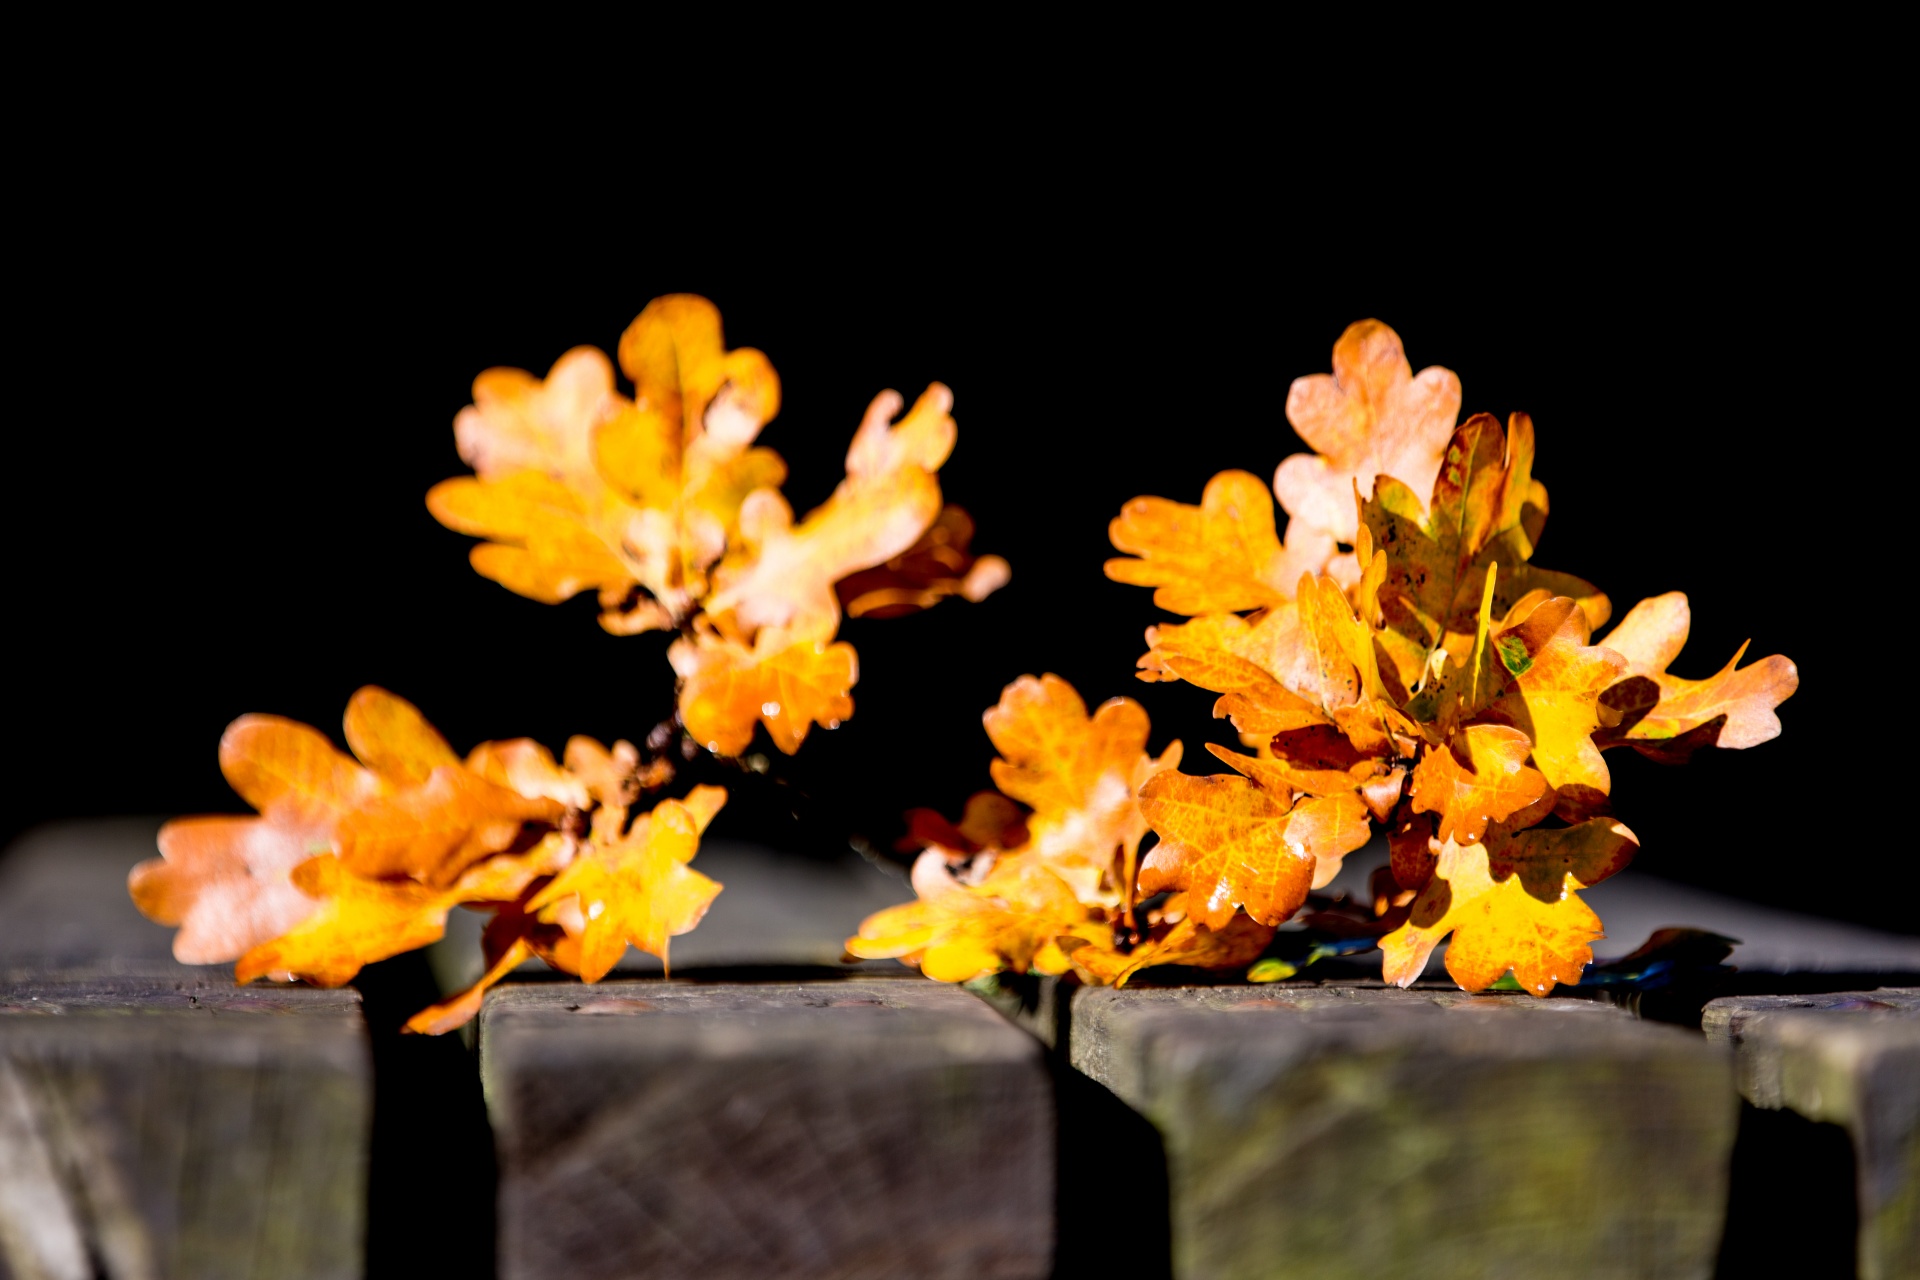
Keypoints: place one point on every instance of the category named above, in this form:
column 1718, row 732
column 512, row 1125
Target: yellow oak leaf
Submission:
column 1228, row 843
column 1013, row 920
column 639, row 889
column 1552, row 694
column 1372, row 416
column 1478, row 776
column 788, row 684
column 1510, row 904
column 1667, row 717
column 1222, row 556
column 359, row 920
column 1080, row 775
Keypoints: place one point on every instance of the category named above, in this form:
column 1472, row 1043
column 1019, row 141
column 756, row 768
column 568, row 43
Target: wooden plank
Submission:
column 880, row 1127
column 156, row 1120
column 1850, row 1059
column 1343, row 1131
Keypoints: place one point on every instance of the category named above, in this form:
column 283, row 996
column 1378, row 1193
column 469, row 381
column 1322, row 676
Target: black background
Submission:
column 235, row 376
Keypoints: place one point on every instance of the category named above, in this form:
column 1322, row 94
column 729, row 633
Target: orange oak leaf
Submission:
column 1184, row 942
column 1013, row 920
column 453, row 1013
column 1080, row 775
column 438, row 828
column 1251, row 696
column 358, row 921
column 227, row 884
column 1479, row 776
column 1222, row 556
column 1666, row 717
column 523, row 765
column 1372, row 416
column 392, row 738
column 789, row 685
column 783, row 574
column 578, row 488
column 1228, row 843
column 937, row 566
column 1511, row 904
column 639, row 889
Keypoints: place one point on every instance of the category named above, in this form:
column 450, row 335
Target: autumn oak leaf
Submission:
column 1667, row 717
column 1372, row 416
column 1220, row 557
column 1511, row 905
column 1228, row 843
column 639, row 890
column 1080, row 775
column 1013, row 921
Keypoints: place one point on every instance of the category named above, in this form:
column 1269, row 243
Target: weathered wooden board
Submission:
column 1850, row 1059
column 1348, row 1131
column 155, row 1120
column 866, row 1127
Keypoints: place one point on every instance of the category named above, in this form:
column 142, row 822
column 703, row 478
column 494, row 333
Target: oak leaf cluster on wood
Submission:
column 352, row 859
column 1397, row 659
column 663, row 505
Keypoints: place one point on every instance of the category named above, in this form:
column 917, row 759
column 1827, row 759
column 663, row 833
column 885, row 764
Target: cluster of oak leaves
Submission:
column 1429, row 678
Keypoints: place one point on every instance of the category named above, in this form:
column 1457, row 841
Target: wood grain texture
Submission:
column 156, row 1120
column 857, row 1128
column 1850, row 1059
column 1354, row 1131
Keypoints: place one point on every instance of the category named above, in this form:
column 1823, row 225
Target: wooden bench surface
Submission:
column 155, row 1119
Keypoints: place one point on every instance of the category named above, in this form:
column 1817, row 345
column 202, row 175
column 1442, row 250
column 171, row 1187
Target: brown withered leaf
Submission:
column 1485, row 509
column 1222, row 556
column 789, row 685
column 937, row 566
column 1013, row 920
column 989, row 821
column 638, row 889
column 1666, row 717
column 1079, row 774
column 1522, row 914
column 1372, row 416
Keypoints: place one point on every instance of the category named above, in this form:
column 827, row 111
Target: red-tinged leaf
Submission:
column 1668, row 717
